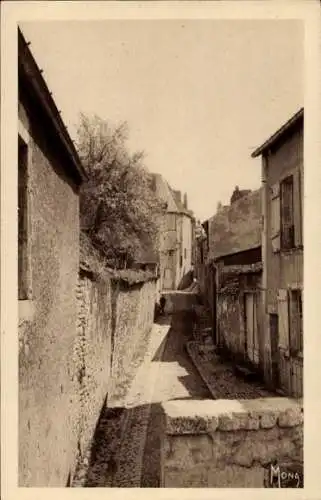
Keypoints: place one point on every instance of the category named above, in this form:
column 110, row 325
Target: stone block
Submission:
column 190, row 425
column 233, row 421
column 233, row 476
column 268, row 420
column 253, row 422
column 187, row 451
column 193, row 477
column 263, row 451
column 291, row 417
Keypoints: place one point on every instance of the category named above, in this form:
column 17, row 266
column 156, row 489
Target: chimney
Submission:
column 236, row 195
column 178, row 196
column 185, row 200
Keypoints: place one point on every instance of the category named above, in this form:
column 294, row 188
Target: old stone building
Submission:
column 49, row 175
column 177, row 235
column 282, row 254
column 234, row 277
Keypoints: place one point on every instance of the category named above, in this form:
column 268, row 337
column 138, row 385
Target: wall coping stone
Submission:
column 207, row 416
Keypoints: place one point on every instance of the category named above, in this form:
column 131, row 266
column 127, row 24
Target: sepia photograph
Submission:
column 159, row 246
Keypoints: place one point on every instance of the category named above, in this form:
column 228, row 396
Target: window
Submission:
column 171, row 222
column 287, row 214
column 296, row 322
column 23, row 267
column 185, row 253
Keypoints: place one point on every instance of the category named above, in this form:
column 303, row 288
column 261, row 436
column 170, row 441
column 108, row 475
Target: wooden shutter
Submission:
column 283, row 313
column 296, row 327
column 275, row 217
column 297, row 208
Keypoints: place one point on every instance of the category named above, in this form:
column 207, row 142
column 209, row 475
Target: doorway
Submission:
column 251, row 327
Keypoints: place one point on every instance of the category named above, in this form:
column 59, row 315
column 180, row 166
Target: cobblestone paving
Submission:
column 220, row 378
column 126, row 451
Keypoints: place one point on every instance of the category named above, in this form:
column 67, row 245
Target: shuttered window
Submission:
column 296, row 322
column 283, row 314
column 275, row 217
column 287, row 213
column 298, row 208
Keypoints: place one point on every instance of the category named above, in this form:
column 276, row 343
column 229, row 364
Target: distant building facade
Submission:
column 177, row 235
column 282, row 252
column 234, row 278
column 49, row 179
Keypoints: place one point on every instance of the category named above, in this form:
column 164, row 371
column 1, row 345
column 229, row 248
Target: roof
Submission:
column 169, row 195
column 179, row 205
column 237, row 228
column 28, row 69
column 242, row 269
column 291, row 124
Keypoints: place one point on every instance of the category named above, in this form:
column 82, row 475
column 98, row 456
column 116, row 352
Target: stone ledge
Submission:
column 207, row 416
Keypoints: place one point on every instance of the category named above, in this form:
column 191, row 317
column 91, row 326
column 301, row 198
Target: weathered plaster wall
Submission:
column 47, row 322
column 236, row 228
column 186, row 246
column 284, row 269
column 288, row 266
column 222, row 444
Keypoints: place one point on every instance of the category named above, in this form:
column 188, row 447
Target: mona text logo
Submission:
column 285, row 476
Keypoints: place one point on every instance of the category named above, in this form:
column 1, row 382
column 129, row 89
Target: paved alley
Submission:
column 126, row 447
column 126, row 451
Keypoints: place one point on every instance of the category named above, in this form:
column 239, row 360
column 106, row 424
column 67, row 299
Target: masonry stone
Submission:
column 247, row 439
column 290, row 418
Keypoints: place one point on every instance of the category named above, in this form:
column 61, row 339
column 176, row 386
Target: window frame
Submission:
column 287, row 241
column 24, row 291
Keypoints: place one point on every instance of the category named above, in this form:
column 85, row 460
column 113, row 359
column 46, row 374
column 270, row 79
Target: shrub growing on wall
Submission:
column 118, row 206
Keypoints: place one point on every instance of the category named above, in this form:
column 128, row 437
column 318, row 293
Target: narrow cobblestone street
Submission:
column 126, row 448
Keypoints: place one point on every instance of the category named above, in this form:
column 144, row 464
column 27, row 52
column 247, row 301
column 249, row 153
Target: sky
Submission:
column 199, row 95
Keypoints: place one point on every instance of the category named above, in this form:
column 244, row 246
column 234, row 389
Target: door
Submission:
column 168, row 279
column 252, row 341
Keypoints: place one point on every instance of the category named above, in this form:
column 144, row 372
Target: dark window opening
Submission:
column 22, row 220
column 287, row 214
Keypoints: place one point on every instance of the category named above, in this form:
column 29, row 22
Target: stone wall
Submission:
column 92, row 355
column 133, row 316
column 114, row 323
column 221, row 444
column 237, row 227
